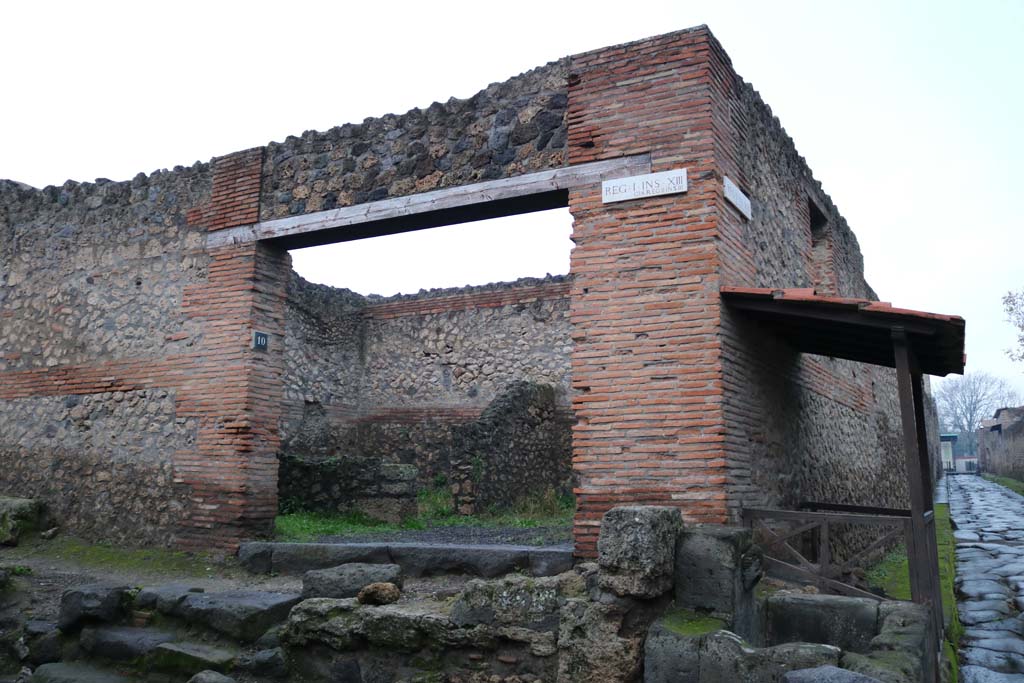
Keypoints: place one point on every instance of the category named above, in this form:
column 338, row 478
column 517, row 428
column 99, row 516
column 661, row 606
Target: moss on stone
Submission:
column 689, row 623
column 154, row 561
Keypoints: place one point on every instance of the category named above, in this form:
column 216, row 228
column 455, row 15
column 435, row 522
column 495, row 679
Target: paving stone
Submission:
column 990, row 572
column 241, row 614
column 977, row 674
column 983, row 589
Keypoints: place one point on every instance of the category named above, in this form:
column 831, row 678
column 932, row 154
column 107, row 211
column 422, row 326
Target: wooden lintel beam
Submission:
column 452, row 199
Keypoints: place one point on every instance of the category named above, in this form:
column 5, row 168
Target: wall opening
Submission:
column 821, row 268
column 431, row 368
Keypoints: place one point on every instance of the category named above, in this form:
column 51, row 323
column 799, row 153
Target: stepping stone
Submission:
column 74, row 672
column 122, row 643
column 966, row 536
column 243, row 615
column 189, row 658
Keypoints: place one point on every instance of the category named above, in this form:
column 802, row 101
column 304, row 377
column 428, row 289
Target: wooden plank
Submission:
column 435, row 200
column 815, row 506
column 832, row 517
column 784, row 570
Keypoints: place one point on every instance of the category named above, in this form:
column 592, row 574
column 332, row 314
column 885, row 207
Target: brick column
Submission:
column 645, row 310
column 233, row 391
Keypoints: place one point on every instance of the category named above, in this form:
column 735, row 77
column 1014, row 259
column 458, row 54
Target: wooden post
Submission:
column 922, row 553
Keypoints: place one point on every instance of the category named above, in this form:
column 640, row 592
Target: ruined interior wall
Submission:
column 91, row 283
column 391, row 380
column 798, row 427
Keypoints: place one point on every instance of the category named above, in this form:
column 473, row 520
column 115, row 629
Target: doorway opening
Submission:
column 427, row 382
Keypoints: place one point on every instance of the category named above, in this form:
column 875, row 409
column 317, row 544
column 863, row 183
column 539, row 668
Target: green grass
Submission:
column 1014, row 485
column 892, row 575
column 688, row 623
column 435, row 509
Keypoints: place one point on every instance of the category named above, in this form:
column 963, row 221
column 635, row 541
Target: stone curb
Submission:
column 415, row 559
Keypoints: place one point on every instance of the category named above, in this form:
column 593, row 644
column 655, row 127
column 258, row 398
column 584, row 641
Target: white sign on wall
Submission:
column 647, row 185
column 737, row 198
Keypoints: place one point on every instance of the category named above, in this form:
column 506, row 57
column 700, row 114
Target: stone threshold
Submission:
column 415, row 559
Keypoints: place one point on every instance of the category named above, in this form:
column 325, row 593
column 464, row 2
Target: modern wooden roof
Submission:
column 855, row 329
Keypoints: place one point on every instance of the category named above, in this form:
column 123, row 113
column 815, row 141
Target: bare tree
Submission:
column 963, row 402
column 1013, row 304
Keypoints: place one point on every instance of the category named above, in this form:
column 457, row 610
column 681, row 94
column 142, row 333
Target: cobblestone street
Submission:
column 989, row 523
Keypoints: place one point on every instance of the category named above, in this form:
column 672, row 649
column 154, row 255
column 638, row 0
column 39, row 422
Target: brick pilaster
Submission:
column 645, row 289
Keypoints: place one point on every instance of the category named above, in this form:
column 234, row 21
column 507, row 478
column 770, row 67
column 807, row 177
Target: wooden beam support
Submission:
column 921, row 549
column 460, row 204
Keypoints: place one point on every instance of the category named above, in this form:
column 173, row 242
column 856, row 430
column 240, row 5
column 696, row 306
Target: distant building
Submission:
column 947, row 443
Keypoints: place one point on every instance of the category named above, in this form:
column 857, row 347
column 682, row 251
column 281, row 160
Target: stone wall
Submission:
column 1001, row 446
column 520, row 447
column 507, row 129
column 798, row 427
column 91, row 281
column 404, row 380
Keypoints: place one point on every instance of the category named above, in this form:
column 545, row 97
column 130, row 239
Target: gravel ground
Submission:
column 538, row 536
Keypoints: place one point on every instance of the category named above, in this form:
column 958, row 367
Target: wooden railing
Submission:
column 783, row 548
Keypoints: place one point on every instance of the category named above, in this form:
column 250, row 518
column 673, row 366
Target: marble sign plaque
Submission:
column 647, row 185
column 736, row 197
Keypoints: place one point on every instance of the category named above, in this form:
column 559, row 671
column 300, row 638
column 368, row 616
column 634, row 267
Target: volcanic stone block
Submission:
column 671, row 657
column 244, row 615
column 345, row 581
column 121, row 643
column 91, row 603
column 74, row 672
column 826, row 674
column 210, row 677
column 190, row 658
column 849, row 623
column 716, row 569
column 164, row 598
column 636, row 550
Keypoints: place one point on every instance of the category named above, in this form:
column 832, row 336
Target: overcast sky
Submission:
column 909, row 113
